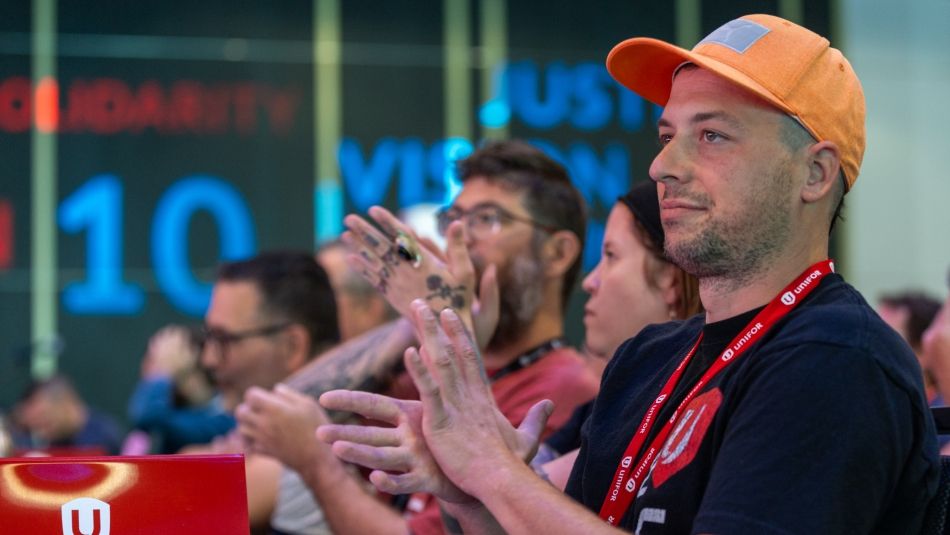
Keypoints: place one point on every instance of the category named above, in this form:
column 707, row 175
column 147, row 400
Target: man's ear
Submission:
column 560, row 251
column 297, row 341
column 824, row 168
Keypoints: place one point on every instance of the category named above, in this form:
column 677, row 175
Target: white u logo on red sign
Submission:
column 85, row 516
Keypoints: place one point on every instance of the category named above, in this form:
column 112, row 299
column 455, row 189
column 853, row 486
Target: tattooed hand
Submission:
column 443, row 281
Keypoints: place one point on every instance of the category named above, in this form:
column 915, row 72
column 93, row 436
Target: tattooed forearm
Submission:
column 364, row 363
column 440, row 290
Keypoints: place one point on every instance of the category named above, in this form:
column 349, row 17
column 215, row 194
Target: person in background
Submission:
column 6, row 441
column 52, row 416
column 633, row 285
column 175, row 401
column 936, row 353
column 935, row 356
column 910, row 313
column 269, row 316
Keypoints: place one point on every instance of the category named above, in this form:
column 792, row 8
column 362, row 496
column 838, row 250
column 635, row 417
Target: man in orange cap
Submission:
column 790, row 407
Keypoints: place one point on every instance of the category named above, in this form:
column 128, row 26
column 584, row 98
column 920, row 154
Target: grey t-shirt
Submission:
column 296, row 511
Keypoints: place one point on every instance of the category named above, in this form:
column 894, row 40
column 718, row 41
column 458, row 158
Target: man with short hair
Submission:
column 790, row 407
column 268, row 317
column 910, row 314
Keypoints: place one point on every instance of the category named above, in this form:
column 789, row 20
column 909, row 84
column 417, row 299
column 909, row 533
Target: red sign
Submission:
column 106, row 106
column 159, row 494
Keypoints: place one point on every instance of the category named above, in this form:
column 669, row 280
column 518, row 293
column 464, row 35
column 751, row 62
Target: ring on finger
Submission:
column 408, row 249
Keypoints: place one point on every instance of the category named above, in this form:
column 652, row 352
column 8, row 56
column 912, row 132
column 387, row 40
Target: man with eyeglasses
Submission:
column 520, row 220
column 269, row 316
column 531, row 237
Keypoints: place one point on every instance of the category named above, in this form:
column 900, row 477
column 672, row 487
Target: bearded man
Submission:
column 520, row 221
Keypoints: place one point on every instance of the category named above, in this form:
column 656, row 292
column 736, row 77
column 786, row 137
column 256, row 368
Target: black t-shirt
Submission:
column 568, row 437
column 820, row 427
column 715, row 338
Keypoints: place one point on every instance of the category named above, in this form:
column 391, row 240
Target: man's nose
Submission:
column 672, row 162
column 210, row 355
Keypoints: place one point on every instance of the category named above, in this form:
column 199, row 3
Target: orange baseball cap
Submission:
column 793, row 68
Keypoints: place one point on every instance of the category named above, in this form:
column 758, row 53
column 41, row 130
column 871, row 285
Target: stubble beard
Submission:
column 520, row 287
column 733, row 251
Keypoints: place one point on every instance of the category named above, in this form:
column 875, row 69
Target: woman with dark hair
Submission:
column 634, row 284
column 631, row 287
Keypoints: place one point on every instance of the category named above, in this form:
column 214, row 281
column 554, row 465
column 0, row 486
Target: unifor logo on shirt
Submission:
column 85, row 516
column 683, row 443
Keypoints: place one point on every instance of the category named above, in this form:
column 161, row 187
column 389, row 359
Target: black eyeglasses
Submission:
column 482, row 220
column 224, row 338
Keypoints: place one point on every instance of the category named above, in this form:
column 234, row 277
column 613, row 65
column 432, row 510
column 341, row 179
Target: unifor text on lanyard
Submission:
column 630, row 475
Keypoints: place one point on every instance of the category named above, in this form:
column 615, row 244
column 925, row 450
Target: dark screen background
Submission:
column 155, row 97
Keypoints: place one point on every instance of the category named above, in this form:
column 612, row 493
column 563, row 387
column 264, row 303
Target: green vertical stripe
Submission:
column 688, row 22
column 494, row 41
column 791, row 10
column 327, row 118
column 457, row 80
column 43, row 219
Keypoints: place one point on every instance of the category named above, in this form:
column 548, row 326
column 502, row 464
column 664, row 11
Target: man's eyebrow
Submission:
column 716, row 115
column 476, row 206
column 706, row 116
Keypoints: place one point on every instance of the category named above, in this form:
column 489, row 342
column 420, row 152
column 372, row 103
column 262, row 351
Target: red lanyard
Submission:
column 629, row 476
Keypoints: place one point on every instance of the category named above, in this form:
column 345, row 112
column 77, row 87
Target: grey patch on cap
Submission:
column 738, row 35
